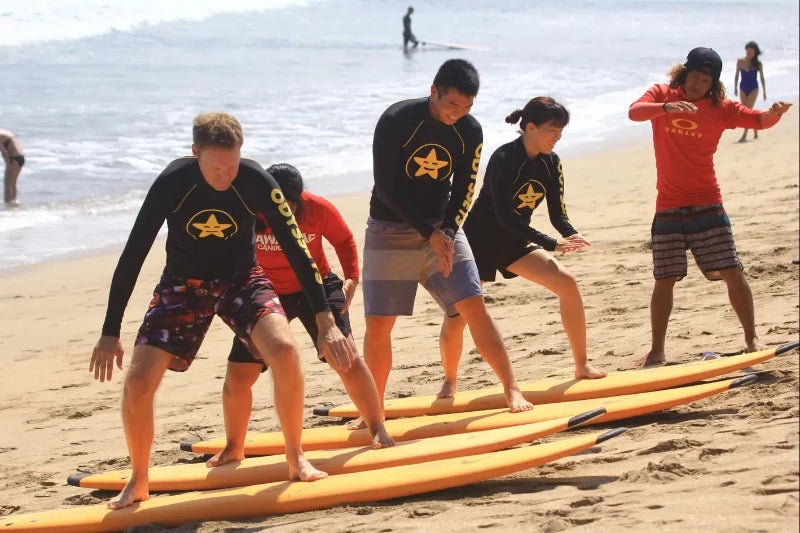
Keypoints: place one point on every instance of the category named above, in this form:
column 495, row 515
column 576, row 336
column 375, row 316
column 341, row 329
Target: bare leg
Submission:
column 542, row 268
column 741, row 299
column 361, row 388
column 378, row 355
column 489, row 343
column 660, row 310
column 13, row 169
column 237, row 404
column 141, row 382
column 273, row 340
column 451, row 343
column 749, row 100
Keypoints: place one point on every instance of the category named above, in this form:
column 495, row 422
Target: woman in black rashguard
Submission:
column 520, row 175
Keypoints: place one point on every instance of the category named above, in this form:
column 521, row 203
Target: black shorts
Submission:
column 496, row 252
column 296, row 305
column 19, row 159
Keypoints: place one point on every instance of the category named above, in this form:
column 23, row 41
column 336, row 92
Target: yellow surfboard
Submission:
column 550, row 391
column 274, row 468
column 423, row 427
column 296, row 496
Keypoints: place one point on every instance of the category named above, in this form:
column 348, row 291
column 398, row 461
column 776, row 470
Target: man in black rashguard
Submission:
column 426, row 154
column 210, row 203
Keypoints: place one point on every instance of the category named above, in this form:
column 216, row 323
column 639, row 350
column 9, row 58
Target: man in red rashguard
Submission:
column 688, row 116
column 317, row 218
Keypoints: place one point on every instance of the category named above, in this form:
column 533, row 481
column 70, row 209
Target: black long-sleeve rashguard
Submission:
column 210, row 233
column 513, row 187
column 414, row 159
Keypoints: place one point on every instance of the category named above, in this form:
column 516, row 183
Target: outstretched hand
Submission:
column 573, row 243
column 779, row 107
column 105, row 352
column 332, row 344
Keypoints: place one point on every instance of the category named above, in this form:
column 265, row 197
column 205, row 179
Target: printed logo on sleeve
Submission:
column 212, row 223
column 430, row 161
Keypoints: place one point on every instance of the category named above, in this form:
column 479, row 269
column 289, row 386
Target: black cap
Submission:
column 704, row 60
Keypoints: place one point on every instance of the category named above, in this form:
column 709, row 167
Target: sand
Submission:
column 726, row 463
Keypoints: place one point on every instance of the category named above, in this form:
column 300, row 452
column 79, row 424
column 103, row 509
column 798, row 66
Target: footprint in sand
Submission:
column 671, row 445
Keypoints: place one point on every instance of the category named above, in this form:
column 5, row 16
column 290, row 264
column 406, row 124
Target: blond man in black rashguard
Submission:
column 210, row 202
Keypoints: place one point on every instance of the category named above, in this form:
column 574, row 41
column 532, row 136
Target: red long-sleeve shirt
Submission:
column 319, row 218
column 685, row 144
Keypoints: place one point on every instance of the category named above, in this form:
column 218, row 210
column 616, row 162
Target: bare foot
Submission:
column 304, row 471
column 448, row 389
column 589, row 372
column 743, row 140
column 755, row 345
column 358, row 423
column 517, row 402
column 134, row 491
column 381, row 439
column 652, row 359
column 224, row 457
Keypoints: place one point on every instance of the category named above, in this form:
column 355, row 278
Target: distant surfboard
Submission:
column 454, row 46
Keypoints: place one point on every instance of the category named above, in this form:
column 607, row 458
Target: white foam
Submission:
column 39, row 21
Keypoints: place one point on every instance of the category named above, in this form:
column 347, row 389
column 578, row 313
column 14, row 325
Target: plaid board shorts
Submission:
column 705, row 230
column 182, row 309
column 397, row 258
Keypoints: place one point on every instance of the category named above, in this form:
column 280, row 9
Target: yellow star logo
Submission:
column 429, row 165
column 211, row 227
column 529, row 198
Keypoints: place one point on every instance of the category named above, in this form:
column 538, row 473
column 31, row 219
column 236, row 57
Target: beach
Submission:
column 728, row 463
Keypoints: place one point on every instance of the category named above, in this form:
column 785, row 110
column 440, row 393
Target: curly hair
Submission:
column 677, row 78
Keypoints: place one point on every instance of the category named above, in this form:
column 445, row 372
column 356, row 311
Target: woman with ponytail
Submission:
column 520, row 175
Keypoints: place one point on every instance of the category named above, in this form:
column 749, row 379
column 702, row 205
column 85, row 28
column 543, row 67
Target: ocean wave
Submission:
column 40, row 21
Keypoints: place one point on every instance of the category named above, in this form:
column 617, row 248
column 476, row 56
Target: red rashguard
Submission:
column 319, row 218
column 685, row 144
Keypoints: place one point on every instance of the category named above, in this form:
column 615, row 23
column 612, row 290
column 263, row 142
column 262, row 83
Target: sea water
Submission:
column 102, row 94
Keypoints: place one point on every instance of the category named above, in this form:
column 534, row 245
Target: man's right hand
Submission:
column 102, row 364
column 442, row 245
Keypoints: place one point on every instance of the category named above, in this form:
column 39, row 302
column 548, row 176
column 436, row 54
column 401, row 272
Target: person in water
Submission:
column 408, row 35
column 520, row 176
column 749, row 67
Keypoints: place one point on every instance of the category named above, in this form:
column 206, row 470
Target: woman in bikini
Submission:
column 749, row 67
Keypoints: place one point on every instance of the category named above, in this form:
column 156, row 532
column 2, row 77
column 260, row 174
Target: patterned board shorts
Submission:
column 397, row 258
column 705, row 230
column 296, row 305
column 182, row 309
